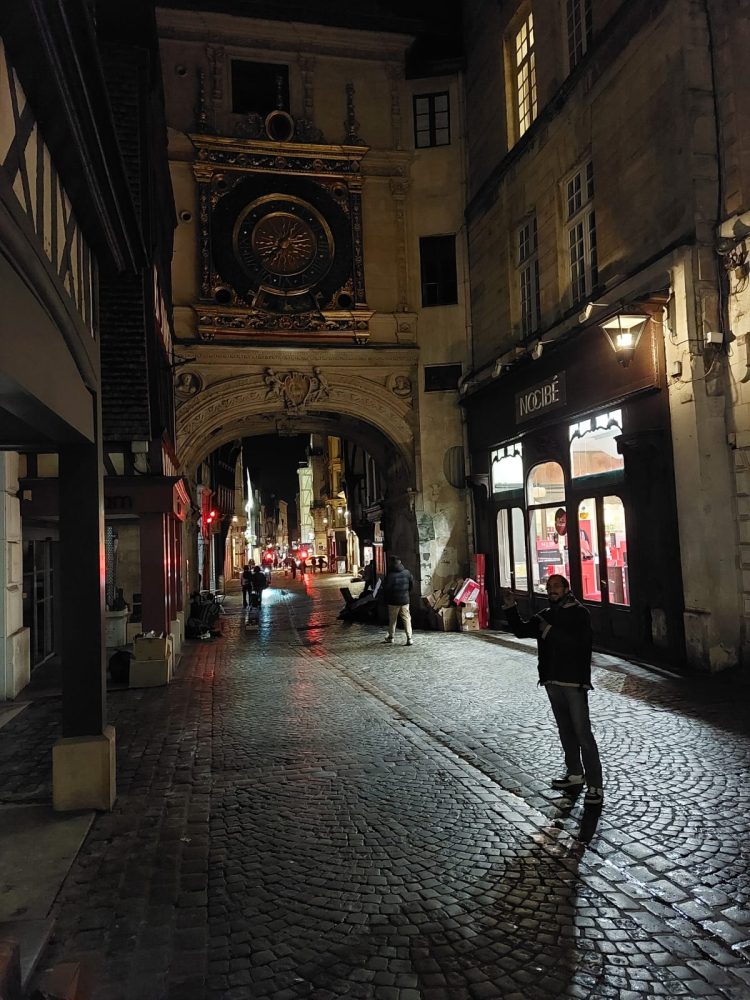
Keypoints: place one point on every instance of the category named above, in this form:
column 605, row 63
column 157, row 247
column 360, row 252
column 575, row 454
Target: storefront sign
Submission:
column 540, row 398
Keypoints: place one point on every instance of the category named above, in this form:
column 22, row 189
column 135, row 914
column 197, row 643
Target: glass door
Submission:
column 604, row 551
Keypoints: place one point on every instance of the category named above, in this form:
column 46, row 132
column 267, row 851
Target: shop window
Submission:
column 437, row 255
column 589, row 543
column 548, row 523
column 593, row 445
column 503, row 548
column 546, row 485
column 511, row 547
column 616, row 547
column 519, row 549
column 506, row 464
column 432, row 126
column 609, row 552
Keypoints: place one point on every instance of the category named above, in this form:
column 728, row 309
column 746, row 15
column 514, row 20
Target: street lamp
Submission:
column 623, row 331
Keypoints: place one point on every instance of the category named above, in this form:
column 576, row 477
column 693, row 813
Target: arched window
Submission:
column 548, row 523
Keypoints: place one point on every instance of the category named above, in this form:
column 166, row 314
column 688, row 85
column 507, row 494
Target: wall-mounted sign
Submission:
column 540, row 398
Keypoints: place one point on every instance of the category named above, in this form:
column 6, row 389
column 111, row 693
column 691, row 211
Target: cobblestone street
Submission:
column 305, row 812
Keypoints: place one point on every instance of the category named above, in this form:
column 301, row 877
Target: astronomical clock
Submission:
column 280, row 237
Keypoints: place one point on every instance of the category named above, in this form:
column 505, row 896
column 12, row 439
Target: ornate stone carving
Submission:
column 187, row 384
column 395, row 75
column 213, row 321
column 296, row 389
column 351, row 125
column 400, row 385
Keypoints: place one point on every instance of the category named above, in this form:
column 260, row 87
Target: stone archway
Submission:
column 370, row 404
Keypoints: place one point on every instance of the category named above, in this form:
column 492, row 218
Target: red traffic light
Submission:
column 303, row 554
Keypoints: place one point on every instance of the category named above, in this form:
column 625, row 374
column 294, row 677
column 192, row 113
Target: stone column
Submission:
column 83, row 761
column 15, row 656
column 154, row 574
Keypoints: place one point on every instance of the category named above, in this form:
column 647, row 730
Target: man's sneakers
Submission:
column 569, row 783
column 409, row 642
column 388, row 638
column 594, row 796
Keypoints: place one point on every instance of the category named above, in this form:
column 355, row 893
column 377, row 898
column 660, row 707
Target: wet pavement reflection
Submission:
column 304, row 812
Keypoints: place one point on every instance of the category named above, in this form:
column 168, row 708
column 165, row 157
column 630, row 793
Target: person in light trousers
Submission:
column 397, row 588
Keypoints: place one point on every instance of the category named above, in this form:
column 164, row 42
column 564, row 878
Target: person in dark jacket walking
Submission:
column 563, row 635
column 247, row 585
column 396, row 590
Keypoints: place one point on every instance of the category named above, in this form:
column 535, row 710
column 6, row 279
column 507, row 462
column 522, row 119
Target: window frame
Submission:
column 432, row 114
column 527, row 267
column 269, row 67
column 579, row 30
column 523, row 108
column 580, row 231
column 447, row 291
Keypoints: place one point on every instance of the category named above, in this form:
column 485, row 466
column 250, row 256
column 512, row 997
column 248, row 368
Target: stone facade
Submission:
column 350, row 88
column 638, row 102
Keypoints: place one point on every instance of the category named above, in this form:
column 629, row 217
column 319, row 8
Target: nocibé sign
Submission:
column 540, row 398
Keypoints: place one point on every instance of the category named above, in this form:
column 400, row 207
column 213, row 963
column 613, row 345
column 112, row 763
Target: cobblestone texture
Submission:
column 307, row 813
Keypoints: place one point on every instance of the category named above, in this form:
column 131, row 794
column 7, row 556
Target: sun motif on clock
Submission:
column 283, row 244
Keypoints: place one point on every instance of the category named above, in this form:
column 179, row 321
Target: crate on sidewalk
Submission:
column 153, row 661
column 468, row 618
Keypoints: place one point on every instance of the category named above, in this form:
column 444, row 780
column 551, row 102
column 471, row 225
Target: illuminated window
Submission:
column 579, row 30
column 506, row 464
column 589, row 544
column 616, row 547
column 593, row 445
column 511, row 547
column 548, row 523
column 581, row 230
column 525, row 74
column 528, row 276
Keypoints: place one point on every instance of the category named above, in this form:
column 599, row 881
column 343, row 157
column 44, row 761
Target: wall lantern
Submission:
column 623, row 332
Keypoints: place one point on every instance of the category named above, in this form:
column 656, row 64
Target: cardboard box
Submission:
column 150, row 673
column 157, row 648
column 445, row 620
column 468, row 618
column 467, row 592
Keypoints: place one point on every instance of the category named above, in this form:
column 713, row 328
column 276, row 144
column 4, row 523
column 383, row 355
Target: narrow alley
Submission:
column 304, row 812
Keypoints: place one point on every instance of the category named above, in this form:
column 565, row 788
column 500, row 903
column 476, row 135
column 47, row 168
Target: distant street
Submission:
column 305, row 812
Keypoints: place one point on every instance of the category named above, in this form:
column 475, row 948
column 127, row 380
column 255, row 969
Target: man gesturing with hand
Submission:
column 563, row 634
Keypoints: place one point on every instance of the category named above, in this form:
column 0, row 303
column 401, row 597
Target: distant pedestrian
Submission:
column 246, row 584
column 321, row 563
column 259, row 584
column 370, row 575
column 397, row 587
column 563, row 634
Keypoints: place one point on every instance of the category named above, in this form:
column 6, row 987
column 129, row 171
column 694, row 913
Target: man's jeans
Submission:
column 570, row 706
column 394, row 610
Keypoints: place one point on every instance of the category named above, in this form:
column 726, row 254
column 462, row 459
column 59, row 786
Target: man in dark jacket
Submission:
column 247, row 585
column 396, row 590
column 563, row 635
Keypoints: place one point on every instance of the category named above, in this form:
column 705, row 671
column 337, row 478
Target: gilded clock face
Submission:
column 283, row 244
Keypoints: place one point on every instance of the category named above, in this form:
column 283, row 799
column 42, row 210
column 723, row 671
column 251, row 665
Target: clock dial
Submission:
column 283, row 244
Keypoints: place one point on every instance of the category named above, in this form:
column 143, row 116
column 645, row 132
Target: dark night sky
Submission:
column 273, row 462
